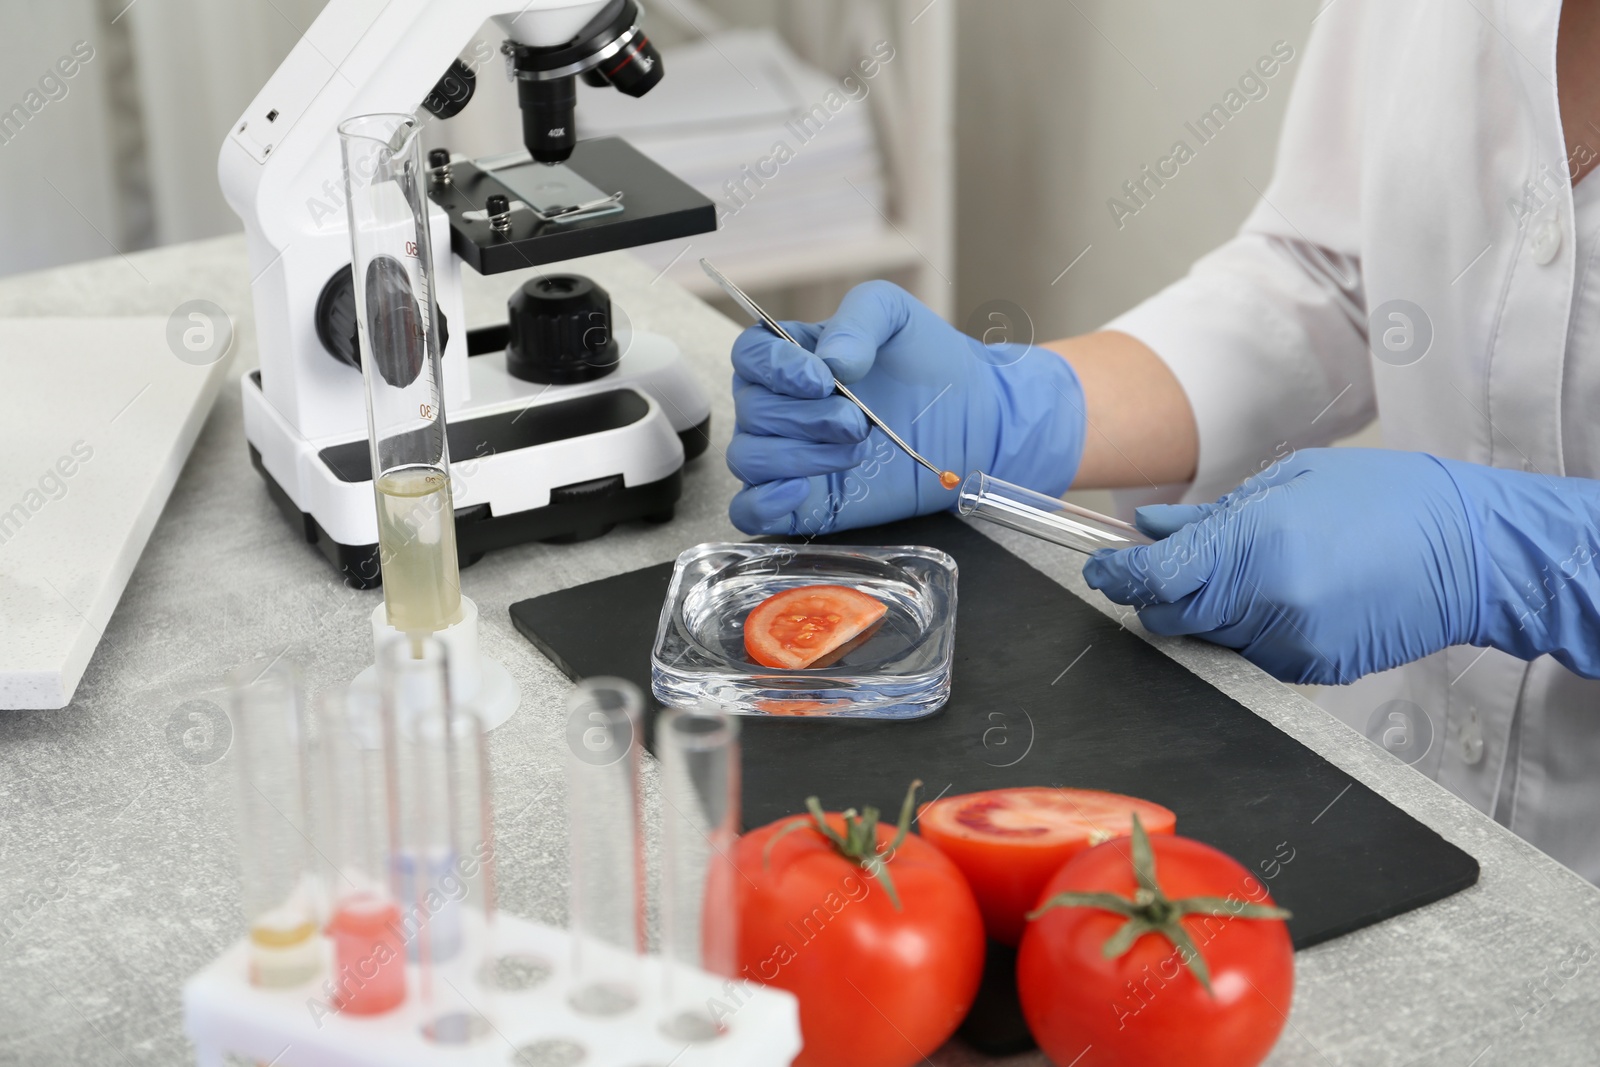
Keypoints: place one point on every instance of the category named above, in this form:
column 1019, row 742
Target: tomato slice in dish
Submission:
column 799, row 707
column 810, row 625
column 1009, row 842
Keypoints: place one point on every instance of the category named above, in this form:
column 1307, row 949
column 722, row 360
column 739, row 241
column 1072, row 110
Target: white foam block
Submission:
column 100, row 416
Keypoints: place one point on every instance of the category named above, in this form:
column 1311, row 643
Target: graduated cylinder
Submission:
column 398, row 319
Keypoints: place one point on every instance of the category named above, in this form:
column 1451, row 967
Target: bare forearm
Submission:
column 1141, row 428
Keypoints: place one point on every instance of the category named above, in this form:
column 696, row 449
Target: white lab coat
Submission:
column 1423, row 160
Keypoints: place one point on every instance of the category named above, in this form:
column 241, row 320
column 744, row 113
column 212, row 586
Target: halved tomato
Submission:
column 1009, row 842
column 810, row 625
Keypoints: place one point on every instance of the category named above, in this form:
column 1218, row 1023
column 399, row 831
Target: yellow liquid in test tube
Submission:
column 417, row 550
column 284, row 950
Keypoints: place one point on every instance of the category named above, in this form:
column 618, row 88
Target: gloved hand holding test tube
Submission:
column 1030, row 408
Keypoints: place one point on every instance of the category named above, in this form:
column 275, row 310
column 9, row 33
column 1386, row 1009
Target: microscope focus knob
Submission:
column 560, row 331
column 453, row 91
column 335, row 320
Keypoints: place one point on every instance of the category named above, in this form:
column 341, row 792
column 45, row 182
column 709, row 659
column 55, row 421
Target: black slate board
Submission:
column 1048, row 691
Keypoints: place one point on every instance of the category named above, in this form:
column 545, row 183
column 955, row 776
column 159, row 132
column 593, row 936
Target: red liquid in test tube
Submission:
column 369, row 956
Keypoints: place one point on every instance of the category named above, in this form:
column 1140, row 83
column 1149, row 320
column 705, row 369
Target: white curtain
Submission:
column 57, row 203
column 121, row 154
column 199, row 63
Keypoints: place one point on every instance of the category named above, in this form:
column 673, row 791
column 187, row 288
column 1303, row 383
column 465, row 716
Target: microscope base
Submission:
column 528, row 462
column 478, row 532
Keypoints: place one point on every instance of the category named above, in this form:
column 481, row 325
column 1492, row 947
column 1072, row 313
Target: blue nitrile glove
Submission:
column 1336, row 563
column 811, row 463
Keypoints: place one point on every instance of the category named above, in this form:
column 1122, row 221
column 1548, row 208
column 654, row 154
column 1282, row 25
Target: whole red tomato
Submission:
column 1203, row 980
column 885, row 968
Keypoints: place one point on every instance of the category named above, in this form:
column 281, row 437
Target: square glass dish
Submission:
column 901, row 672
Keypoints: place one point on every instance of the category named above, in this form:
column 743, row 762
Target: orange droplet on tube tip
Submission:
column 949, row 479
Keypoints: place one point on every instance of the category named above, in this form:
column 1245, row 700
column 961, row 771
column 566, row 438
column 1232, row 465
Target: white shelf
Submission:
column 913, row 108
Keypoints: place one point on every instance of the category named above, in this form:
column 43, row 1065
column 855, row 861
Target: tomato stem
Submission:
column 859, row 842
column 1150, row 911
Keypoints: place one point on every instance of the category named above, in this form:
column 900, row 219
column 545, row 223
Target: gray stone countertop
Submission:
column 117, row 876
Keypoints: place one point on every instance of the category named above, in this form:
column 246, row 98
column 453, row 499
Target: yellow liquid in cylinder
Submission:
column 417, row 550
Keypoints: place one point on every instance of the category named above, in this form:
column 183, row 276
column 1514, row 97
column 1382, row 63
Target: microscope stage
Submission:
column 656, row 206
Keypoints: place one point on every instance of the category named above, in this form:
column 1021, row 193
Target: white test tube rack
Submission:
column 223, row 1014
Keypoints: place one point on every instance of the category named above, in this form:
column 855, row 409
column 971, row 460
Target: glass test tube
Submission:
column 444, row 856
column 1045, row 517
column 279, row 891
column 398, row 319
column 699, row 753
column 369, row 951
column 606, row 905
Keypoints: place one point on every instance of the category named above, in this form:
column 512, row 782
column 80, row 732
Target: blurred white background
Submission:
column 1057, row 104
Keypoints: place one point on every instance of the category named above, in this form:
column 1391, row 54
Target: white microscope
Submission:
column 552, row 429
column 556, row 434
